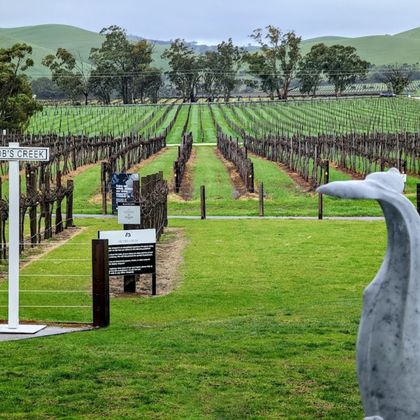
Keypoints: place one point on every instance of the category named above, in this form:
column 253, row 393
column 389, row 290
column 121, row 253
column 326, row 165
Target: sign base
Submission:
column 21, row 329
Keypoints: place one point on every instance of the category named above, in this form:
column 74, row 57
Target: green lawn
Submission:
column 262, row 325
column 87, row 185
column 283, row 196
column 164, row 163
column 175, row 135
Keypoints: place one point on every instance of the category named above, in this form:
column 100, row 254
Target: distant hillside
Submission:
column 380, row 49
column 45, row 39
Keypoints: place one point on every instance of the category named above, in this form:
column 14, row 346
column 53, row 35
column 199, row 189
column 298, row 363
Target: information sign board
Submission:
column 131, row 251
column 122, row 188
column 129, row 214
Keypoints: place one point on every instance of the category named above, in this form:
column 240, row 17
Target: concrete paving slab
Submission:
column 48, row 331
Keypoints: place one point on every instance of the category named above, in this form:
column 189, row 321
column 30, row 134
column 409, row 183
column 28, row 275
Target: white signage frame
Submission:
column 19, row 154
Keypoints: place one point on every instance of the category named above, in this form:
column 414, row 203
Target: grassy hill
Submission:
column 379, row 49
column 45, row 39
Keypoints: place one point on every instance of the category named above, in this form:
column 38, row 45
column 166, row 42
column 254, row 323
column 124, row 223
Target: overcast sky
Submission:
column 210, row 21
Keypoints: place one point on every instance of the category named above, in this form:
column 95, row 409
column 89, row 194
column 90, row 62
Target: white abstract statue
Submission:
column 388, row 344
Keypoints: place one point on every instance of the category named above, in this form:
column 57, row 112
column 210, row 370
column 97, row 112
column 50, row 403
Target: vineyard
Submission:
column 258, row 118
column 177, row 239
column 253, row 158
column 285, row 146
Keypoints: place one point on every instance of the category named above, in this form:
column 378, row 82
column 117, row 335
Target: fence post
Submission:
column 327, row 172
column 261, row 200
column 58, row 213
column 69, row 206
column 320, row 206
column 418, row 198
column 203, row 201
column 103, row 187
column 251, row 179
column 100, row 283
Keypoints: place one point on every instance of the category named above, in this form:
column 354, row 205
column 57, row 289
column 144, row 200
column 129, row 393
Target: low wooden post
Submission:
column 154, row 285
column 327, row 172
column 418, row 198
column 103, row 187
column 251, row 178
column 100, row 283
column 69, row 206
column 176, row 173
column 320, row 206
column 58, row 212
column 261, row 200
column 203, row 201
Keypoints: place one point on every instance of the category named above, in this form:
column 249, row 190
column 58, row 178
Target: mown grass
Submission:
column 175, row 135
column 262, row 325
column 163, row 163
column 283, row 197
column 209, row 130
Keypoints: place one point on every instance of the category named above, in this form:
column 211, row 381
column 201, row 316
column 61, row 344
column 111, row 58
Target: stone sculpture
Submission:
column 388, row 344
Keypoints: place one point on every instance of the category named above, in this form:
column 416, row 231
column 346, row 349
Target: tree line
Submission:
column 121, row 68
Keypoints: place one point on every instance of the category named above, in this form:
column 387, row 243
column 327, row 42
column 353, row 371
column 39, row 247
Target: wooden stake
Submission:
column 261, row 200
column 203, row 201
column 320, row 206
column 103, row 187
column 69, row 206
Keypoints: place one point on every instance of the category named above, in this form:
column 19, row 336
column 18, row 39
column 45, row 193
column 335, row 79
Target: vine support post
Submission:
column 103, row 187
column 261, row 200
column 203, row 201
column 320, row 206
column 69, row 206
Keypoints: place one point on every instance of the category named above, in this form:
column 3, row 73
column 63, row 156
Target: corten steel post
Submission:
column 100, row 283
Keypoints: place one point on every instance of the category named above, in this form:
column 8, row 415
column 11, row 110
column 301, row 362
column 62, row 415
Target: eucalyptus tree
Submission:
column 396, row 77
column 343, row 67
column 311, row 69
column 220, row 68
column 122, row 62
column 17, row 104
column 69, row 74
column 276, row 63
column 185, row 69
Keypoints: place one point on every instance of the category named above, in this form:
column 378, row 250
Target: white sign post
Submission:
column 14, row 154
